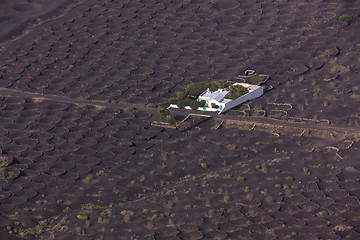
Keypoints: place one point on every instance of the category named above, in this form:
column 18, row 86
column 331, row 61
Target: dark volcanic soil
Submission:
column 18, row 15
column 96, row 170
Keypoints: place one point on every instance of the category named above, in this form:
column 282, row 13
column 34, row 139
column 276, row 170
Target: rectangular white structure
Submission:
column 218, row 98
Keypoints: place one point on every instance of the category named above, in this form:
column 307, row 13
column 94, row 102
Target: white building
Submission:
column 216, row 101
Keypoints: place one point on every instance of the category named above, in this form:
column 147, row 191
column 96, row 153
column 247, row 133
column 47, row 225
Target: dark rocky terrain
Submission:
column 82, row 81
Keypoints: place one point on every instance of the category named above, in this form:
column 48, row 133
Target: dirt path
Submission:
column 346, row 131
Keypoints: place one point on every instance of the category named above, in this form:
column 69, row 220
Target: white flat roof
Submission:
column 218, row 95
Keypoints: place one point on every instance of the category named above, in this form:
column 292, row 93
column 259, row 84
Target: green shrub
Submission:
column 173, row 100
column 322, row 214
column 345, row 18
column 194, row 104
column 181, row 95
column 236, row 92
column 289, row 178
column 195, row 89
column 171, row 120
column 164, row 112
column 151, row 105
column 4, row 164
column 241, row 179
column 129, row 109
column 82, row 217
column 181, row 103
column 204, row 165
column 188, row 207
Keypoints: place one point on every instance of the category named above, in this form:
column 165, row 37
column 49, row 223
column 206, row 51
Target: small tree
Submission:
column 164, row 112
column 171, row 120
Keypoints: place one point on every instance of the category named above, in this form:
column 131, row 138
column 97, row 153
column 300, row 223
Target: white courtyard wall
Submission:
column 246, row 97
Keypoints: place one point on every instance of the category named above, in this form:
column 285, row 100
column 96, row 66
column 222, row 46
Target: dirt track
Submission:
column 347, row 130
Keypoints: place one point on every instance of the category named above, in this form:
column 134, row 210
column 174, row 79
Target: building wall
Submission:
column 251, row 95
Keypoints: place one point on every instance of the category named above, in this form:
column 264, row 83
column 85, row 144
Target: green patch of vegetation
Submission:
column 6, row 174
column 129, row 109
column 164, row 112
column 345, row 18
column 44, row 222
column 195, row 89
column 35, row 231
column 326, row 53
column 154, row 216
column 59, row 202
column 100, row 173
column 82, row 217
column 240, row 179
column 339, row 70
column 171, row 120
column 140, row 139
column 257, row 79
column 322, row 214
column 285, row 186
column 4, row 163
column 192, row 103
column 204, row 165
column 236, row 91
column 151, row 105
column 169, row 192
column 103, row 221
column 289, row 178
column 188, row 207
column 183, row 126
column 15, row 215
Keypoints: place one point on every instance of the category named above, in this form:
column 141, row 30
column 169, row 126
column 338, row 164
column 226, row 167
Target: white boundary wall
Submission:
column 246, row 97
